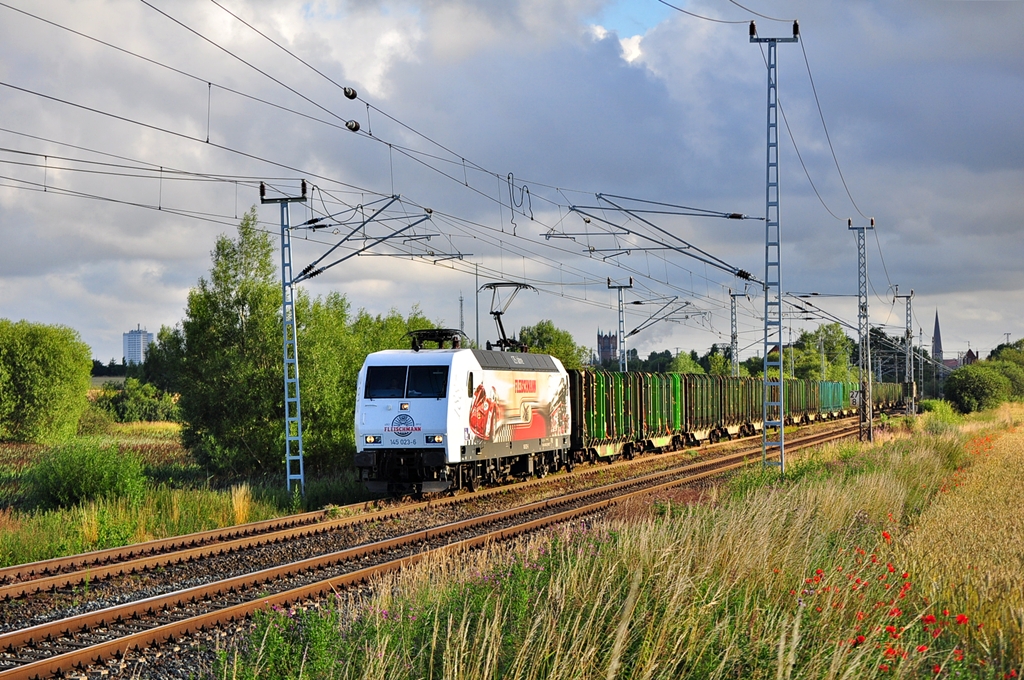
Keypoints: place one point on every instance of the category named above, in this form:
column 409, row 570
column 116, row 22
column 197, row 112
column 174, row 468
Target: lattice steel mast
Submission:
column 867, row 416
column 909, row 386
column 623, row 359
column 773, row 410
column 293, row 457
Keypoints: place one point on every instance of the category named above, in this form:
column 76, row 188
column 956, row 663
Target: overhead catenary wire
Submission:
column 691, row 292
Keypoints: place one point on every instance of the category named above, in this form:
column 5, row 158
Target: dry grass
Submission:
column 241, row 503
column 834, row 574
column 968, row 543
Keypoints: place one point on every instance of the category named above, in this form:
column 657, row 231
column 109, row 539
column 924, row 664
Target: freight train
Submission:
column 429, row 420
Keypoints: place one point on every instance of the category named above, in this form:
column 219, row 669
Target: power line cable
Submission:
column 758, row 14
column 828, row 137
column 699, row 16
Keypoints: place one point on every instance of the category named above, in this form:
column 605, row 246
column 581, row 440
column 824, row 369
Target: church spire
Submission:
column 937, row 340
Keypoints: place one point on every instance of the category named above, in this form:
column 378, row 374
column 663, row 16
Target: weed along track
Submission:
column 220, row 584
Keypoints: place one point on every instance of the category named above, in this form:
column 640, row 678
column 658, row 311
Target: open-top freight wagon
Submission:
column 430, row 420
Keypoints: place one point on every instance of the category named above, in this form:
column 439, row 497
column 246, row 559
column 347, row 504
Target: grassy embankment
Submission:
column 177, row 496
column 899, row 560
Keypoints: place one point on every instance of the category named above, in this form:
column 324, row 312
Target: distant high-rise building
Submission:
column 136, row 343
column 607, row 347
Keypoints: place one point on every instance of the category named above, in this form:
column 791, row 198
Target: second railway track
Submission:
column 62, row 645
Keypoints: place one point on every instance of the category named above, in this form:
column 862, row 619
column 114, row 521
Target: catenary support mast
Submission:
column 909, row 387
column 623, row 358
column 773, row 409
column 864, row 333
column 293, row 453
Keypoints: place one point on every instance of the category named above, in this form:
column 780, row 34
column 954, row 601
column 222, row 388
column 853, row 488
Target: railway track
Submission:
column 61, row 646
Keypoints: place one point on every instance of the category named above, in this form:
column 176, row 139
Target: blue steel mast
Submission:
column 773, row 408
column 293, row 457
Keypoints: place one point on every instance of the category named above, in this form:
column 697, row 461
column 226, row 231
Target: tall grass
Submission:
column 829, row 574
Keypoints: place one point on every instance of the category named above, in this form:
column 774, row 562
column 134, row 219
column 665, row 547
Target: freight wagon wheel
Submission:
column 471, row 482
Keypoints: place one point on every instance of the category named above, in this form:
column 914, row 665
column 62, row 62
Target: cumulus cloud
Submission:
column 921, row 100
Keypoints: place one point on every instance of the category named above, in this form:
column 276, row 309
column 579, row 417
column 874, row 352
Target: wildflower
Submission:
column 922, row 648
column 860, row 616
column 819, row 572
column 860, row 639
column 890, row 567
column 883, row 667
column 961, row 619
column 958, row 654
column 936, row 669
column 945, row 612
column 928, row 618
column 936, row 632
column 887, row 536
column 906, row 574
column 895, row 611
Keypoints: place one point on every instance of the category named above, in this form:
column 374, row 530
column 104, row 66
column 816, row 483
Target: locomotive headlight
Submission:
column 372, row 439
column 435, row 439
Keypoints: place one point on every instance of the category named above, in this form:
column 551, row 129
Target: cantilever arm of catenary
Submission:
column 308, row 268
column 309, row 273
column 717, row 262
column 710, row 260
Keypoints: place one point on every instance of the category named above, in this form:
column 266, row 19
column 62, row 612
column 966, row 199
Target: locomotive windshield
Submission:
column 385, row 382
column 428, row 382
column 390, row 382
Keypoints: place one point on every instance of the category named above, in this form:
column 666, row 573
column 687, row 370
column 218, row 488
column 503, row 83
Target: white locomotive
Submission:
column 431, row 419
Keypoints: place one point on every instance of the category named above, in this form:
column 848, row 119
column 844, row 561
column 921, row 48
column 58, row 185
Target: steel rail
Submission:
column 162, row 633
column 50, row 575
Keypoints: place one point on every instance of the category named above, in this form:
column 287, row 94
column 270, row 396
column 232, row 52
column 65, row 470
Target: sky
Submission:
column 133, row 134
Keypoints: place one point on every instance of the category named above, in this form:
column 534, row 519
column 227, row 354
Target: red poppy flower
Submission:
column 922, row 648
column 890, row 567
column 883, row 667
column 928, row 618
column 819, row 572
column 887, row 536
column 937, row 669
column 895, row 611
column 860, row 639
column 936, row 632
column 962, row 619
column 945, row 612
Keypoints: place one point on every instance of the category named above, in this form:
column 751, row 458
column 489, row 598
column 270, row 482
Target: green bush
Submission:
column 44, row 376
column 977, row 387
column 95, row 421
column 76, row 472
column 1013, row 372
column 136, row 401
column 940, row 418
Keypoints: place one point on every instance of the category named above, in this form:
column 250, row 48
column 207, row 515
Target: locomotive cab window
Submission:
column 385, row 382
column 427, row 382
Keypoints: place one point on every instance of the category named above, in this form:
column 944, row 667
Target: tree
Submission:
column 225, row 361
column 1013, row 372
column 687, row 363
column 332, row 348
column 229, row 366
column 545, row 338
column 44, row 377
column 976, row 387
